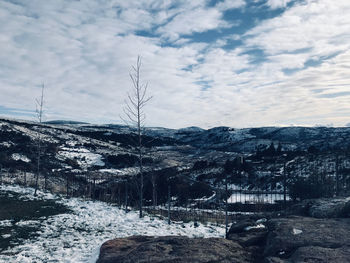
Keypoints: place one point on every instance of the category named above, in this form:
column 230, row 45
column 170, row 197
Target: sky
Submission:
column 207, row 63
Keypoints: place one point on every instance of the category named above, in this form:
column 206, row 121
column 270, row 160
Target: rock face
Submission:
column 248, row 233
column 304, row 239
column 323, row 208
column 172, row 249
column 330, row 208
column 321, row 254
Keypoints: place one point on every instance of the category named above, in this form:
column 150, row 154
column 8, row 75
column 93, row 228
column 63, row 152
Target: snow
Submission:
column 77, row 236
column 28, row 223
column 6, row 144
column 71, row 143
column 297, row 231
column 206, row 198
column 241, row 134
column 261, row 220
column 5, row 223
column 84, row 157
column 122, row 171
column 20, row 157
column 254, row 227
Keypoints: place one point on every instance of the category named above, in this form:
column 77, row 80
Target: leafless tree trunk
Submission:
column 337, row 175
column 39, row 115
column 67, row 185
column 135, row 116
column 226, row 200
column 154, row 187
column 126, row 196
column 169, row 199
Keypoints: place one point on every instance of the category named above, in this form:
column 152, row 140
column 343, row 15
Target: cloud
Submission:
column 275, row 4
column 292, row 67
column 188, row 22
column 230, row 4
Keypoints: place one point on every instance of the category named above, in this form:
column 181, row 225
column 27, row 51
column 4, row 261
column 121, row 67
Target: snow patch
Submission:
column 254, row 227
column 6, row 144
column 262, row 220
column 297, row 231
column 5, row 223
column 28, row 223
column 20, row 157
column 84, row 157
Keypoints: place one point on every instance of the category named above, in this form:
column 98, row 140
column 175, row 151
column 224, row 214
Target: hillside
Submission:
column 190, row 159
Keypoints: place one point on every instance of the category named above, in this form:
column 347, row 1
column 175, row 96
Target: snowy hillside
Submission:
column 191, row 160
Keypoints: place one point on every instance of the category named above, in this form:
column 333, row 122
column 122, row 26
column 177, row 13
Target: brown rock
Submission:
column 288, row 234
column 330, row 208
column 322, row 208
column 240, row 226
column 274, row 260
column 172, row 249
column 248, row 232
column 321, row 255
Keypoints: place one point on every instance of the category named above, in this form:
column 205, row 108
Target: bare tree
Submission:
column 154, row 188
column 135, row 115
column 39, row 115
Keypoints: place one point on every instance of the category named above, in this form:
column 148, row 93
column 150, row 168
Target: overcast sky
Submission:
column 238, row 63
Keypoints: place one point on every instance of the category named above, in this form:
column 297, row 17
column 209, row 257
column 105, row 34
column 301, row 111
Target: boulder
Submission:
column 330, row 208
column 239, row 226
column 248, row 232
column 172, row 249
column 286, row 235
column 321, row 254
column 322, row 208
column 274, row 260
column 315, row 254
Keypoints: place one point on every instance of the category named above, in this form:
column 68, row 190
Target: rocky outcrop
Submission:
column 172, row 249
column 321, row 254
column 248, row 233
column 322, row 208
column 330, row 208
column 321, row 234
column 305, row 239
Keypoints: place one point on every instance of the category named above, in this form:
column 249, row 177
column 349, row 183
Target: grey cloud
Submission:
column 83, row 51
column 335, row 95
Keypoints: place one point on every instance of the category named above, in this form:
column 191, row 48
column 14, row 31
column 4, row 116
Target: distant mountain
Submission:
column 64, row 122
column 249, row 139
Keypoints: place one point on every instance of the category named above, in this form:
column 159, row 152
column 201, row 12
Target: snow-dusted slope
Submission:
column 76, row 237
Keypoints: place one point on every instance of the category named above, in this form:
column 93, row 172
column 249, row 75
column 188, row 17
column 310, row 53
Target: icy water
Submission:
column 53, row 229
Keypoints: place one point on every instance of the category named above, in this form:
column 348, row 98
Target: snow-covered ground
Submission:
column 77, row 236
column 17, row 157
column 84, row 157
